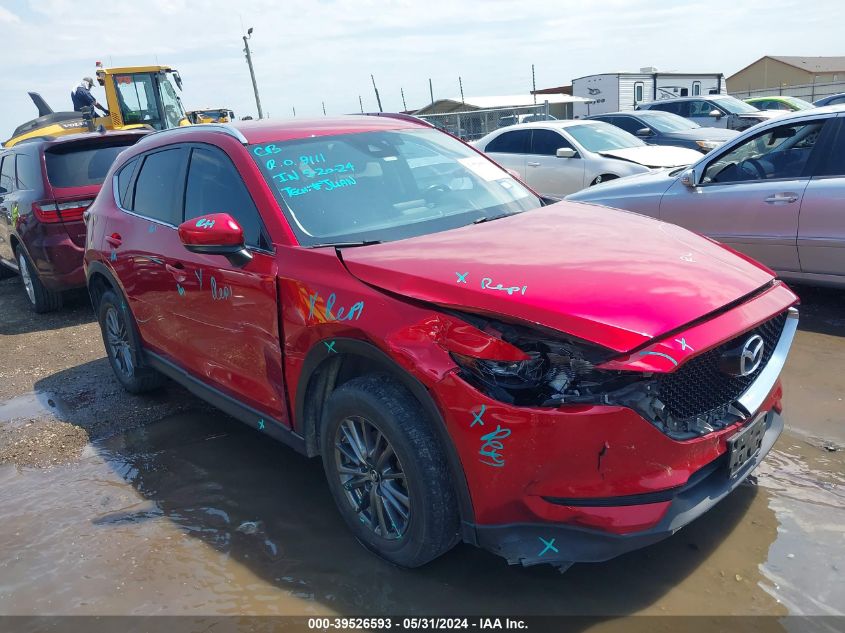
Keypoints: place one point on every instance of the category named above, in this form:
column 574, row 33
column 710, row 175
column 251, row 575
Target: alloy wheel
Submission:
column 117, row 337
column 26, row 276
column 372, row 477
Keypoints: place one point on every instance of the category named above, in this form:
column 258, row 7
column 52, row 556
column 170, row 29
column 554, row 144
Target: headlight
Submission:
column 708, row 145
column 559, row 370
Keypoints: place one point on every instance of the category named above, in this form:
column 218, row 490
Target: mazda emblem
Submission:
column 751, row 356
column 744, row 359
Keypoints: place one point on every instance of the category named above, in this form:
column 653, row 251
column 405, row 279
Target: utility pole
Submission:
column 378, row 98
column 324, row 108
column 294, row 110
column 430, row 90
column 252, row 72
column 461, row 85
column 404, row 105
column 533, row 85
column 361, row 103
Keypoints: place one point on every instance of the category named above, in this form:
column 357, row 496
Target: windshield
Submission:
column 81, row 164
column 385, row 185
column 137, row 100
column 735, row 106
column 597, row 136
column 667, row 122
column 798, row 104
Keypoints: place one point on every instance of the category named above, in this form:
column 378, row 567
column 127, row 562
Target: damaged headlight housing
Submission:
column 558, row 369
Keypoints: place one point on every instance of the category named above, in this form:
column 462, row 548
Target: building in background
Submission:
column 775, row 72
column 612, row 92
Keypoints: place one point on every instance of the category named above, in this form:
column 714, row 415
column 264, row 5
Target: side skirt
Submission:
column 227, row 404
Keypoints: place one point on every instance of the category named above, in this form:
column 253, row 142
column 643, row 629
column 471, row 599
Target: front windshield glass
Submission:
column 136, row 96
column 174, row 113
column 385, row 185
column 667, row 122
column 735, row 106
column 597, row 136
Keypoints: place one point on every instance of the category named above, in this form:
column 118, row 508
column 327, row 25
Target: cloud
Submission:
column 311, row 51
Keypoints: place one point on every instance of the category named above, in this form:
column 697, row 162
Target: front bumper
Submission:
column 533, row 543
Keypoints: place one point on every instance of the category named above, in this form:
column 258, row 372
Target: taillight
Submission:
column 54, row 212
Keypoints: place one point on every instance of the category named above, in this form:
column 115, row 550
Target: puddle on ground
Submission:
column 196, row 514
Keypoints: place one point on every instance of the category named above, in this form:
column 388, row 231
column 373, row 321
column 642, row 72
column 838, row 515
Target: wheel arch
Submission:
column 99, row 279
column 332, row 362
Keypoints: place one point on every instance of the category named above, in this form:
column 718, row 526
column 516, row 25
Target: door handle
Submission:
column 177, row 270
column 784, row 198
column 533, row 164
column 114, row 239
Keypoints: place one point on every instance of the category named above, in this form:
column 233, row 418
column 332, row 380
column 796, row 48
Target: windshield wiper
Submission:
column 345, row 244
column 484, row 219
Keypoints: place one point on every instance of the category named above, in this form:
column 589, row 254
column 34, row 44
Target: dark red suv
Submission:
column 45, row 186
column 551, row 381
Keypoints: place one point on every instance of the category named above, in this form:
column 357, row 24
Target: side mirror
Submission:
column 688, row 178
column 644, row 131
column 565, row 152
column 215, row 234
column 716, row 114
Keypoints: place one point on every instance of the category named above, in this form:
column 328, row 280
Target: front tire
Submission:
column 123, row 345
column 387, row 472
column 603, row 178
column 41, row 298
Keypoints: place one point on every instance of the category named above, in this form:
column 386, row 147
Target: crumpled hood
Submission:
column 656, row 155
column 615, row 278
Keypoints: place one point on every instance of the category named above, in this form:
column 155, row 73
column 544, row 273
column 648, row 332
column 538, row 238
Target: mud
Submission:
column 162, row 505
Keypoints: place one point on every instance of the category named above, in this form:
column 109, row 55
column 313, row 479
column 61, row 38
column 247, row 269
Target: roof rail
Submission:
column 207, row 127
column 401, row 116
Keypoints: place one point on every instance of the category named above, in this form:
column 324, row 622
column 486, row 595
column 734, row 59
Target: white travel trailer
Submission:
column 612, row 92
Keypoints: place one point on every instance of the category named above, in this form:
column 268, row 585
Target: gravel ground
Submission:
column 57, row 390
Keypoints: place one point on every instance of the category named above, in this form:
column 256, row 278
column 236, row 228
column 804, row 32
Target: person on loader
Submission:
column 82, row 97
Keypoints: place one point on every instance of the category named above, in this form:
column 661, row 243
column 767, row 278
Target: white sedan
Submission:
column 556, row 158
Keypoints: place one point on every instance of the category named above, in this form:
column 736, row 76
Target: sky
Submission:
column 307, row 53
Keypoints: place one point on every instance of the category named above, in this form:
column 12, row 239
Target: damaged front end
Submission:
column 699, row 397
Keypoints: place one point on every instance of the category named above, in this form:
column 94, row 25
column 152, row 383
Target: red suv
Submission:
column 45, row 186
column 554, row 382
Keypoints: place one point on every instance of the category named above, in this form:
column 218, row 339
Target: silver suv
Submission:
column 714, row 111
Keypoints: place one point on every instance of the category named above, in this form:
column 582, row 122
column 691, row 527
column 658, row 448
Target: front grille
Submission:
column 699, row 387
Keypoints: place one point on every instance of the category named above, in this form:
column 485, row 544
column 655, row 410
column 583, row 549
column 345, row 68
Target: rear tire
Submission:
column 123, row 345
column 387, row 472
column 41, row 298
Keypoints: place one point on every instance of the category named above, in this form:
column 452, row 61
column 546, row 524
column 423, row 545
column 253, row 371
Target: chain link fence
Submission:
column 808, row 92
column 471, row 125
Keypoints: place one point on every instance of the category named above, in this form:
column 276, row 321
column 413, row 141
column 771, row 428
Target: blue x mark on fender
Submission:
column 462, row 278
column 549, row 545
column 330, row 346
column 477, row 417
column 261, row 428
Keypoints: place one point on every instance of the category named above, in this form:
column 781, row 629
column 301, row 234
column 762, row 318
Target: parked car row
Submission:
column 549, row 380
column 556, row 158
column 775, row 193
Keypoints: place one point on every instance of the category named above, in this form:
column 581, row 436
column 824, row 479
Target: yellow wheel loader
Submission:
column 211, row 115
column 136, row 97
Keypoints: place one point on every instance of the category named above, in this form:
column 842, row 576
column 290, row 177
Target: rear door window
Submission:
column 82, row 164
column 215, row 186
column 7, row 174
column 160, row 185
column 515, row 142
